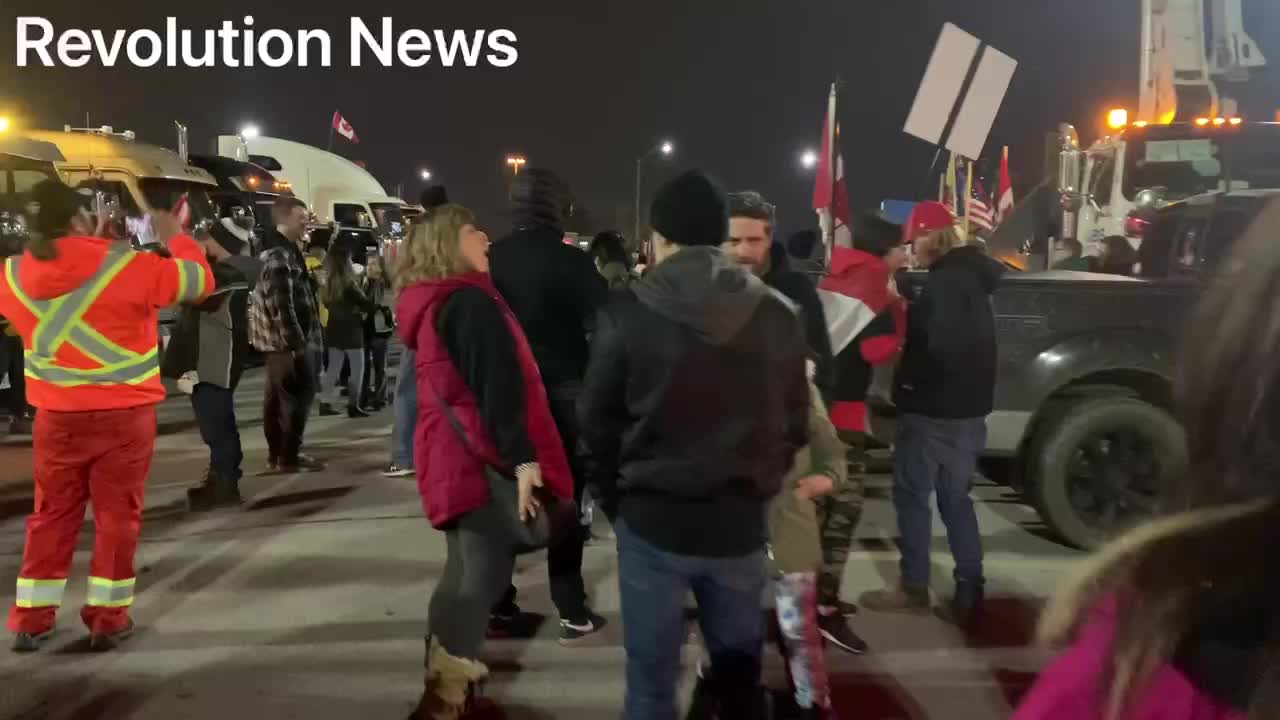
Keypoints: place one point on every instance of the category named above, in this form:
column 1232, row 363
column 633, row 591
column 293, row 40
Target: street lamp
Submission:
column 426, row 175
column 666, row 148
column 515, row 162
column 249, row 132
column 808, row 159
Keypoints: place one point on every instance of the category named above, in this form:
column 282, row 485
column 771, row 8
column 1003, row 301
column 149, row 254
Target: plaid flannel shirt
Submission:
column 284, row 315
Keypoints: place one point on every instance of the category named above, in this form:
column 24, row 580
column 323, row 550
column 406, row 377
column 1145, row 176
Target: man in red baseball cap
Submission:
column 924, row 219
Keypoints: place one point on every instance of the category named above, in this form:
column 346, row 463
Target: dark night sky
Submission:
column 741, row 86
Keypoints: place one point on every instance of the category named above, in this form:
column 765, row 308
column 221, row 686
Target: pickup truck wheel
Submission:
column 1102, row 465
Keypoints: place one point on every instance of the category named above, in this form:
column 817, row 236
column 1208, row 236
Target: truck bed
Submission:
column 1101, row 321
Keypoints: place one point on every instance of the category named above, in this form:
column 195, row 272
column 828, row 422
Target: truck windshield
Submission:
column 1188, row 161
column 164, row 193
column 390, row 218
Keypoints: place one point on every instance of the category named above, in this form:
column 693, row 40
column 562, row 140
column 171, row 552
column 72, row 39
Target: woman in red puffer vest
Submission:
column 472, row 357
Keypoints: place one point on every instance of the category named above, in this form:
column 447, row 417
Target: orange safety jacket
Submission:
column 89, row 318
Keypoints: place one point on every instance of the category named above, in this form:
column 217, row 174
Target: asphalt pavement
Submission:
column 310, row 601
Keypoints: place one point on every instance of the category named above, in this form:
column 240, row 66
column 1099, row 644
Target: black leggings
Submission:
column 476, row 573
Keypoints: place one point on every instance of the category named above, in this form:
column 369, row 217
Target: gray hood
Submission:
column 700, row 288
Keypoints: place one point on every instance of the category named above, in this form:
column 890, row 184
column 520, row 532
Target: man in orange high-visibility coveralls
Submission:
column 87, row 311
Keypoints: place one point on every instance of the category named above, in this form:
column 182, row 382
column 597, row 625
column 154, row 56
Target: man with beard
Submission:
column 752, row 221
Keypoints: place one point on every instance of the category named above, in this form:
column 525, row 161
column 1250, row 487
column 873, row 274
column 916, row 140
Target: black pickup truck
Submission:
column 1084, row 392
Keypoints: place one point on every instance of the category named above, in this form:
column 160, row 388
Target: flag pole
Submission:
column 829, row 231
column 968, row 193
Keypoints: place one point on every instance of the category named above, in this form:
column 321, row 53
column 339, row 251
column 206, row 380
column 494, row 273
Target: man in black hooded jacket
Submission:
column 554, row 290
column 695, row 404
column 944, row 390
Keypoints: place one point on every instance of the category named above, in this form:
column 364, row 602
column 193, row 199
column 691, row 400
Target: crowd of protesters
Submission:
column 711, row 399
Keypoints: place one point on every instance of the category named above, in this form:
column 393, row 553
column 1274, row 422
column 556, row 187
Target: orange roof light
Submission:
column 1219, row 122
column 1236, row 121
column 1117, row 118
column 1202, row 122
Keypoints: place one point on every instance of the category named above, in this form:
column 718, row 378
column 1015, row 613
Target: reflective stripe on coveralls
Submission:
column 61, row 320
column 110, row 593
column 34, row 593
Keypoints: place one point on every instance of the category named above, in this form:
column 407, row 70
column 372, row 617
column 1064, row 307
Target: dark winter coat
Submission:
column 469, row 348
column 948, row 367
column 799, row 289
column 212, row 338
column 554, row 290
column 380, row 323
column 345, row 330
column 695, row 404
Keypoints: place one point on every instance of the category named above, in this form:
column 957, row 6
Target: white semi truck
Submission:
column 1187, row 137
column 340, row 193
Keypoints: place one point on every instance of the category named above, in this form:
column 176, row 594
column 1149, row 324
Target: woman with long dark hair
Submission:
column 1178, row 619
column 344, row 334
column 379, row 326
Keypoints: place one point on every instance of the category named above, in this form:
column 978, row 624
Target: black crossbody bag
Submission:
column 551, row 523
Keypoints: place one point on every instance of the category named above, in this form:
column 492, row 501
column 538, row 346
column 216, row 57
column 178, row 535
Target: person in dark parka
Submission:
column 554, row 290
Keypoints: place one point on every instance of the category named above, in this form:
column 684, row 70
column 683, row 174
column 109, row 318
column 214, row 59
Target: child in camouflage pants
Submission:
column 838, row 517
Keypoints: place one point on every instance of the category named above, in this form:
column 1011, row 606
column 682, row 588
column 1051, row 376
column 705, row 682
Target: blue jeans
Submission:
column 354, row 378
column 215, row 410
column 404, row 408
column 654, row 585
column 936, row 454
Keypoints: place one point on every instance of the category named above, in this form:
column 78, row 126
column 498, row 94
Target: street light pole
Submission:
column 665, row 148
column 639, row 172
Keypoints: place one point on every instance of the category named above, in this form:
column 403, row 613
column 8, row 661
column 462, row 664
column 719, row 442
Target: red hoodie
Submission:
column 451, row 479
column 117, row 332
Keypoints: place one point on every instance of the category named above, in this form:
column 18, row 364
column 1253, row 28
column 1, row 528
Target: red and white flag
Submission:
column 1004, row 197
column 344, row 128
column 830, row 195
column 851, row 297
column 980, row 214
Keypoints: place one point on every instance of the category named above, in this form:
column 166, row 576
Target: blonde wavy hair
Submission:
column 431, row 251
column 941, row 242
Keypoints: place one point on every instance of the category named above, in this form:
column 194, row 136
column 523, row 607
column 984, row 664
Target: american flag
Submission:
column 980, row 213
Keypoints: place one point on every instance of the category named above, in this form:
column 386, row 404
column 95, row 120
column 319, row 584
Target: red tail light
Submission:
column 1135, row 227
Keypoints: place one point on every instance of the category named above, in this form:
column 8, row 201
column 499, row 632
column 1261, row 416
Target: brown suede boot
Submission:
column 449, row 685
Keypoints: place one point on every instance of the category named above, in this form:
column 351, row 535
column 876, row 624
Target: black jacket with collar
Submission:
column 948, row 367
column 802, row 290
column 695, row 403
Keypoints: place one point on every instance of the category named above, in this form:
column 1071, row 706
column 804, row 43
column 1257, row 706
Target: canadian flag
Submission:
column 1004, row 199
column 344, row 128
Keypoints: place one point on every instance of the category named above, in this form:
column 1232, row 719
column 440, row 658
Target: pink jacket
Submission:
column 1071, row 688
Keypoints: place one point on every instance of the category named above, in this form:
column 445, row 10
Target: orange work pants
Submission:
column 101, row 457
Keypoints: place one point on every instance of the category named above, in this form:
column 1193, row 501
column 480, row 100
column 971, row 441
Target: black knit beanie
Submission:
column 539, row 198
column 875, row 234
column 691, row 210
column 433, row 197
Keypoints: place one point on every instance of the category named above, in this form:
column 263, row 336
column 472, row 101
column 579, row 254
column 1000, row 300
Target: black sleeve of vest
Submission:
column 477, row 338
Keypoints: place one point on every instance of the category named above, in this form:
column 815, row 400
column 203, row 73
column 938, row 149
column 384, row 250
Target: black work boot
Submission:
column 215, row 492
column 966, row 606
